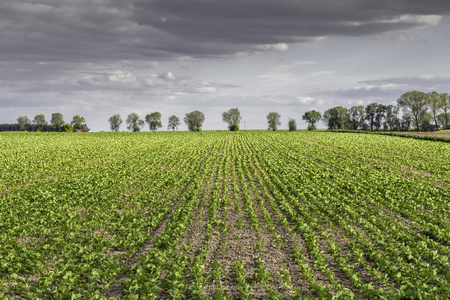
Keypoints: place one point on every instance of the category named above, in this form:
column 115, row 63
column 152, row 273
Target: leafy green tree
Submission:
column 312, row 117
column 153, row 120
column 39, row 122
column 445, row 106
column 434, row 102
column 357, row 116
column 174, row 122
column 414, row 102
column 57, row 121
column 233, row 118
column 273, row 119
column 292, row 125
column 23, row 122
column 77, row 121
column 134, row 123
column 337, row 118
column 194, row 120
column 114, row 122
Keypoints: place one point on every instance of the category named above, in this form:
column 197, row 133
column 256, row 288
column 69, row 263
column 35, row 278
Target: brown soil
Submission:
column 444, row 133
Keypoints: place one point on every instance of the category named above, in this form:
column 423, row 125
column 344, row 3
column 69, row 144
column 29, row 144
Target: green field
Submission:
column 225, row 215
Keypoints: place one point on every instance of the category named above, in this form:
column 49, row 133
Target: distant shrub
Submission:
column 196, row 129
column 234, row 127
column 426, row 126
column 66, row 128
column 292, row 125
column 312, row 127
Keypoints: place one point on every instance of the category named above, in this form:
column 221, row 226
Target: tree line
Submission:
column 423, row 111
column 38, row 123
column 194, row 120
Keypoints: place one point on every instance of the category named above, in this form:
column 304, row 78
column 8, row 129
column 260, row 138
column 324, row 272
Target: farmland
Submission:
column 226, row 215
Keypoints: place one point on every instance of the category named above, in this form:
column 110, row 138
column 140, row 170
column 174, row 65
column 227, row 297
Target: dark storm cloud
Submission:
column 87, row 30
column 237, row 24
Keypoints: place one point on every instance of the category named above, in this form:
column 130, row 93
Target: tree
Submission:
column 273, row 119
column 445, row 106
column 357, row 116
column 153, row 120
column 134, row 123
column 414, row 102
column 23, row 122
column 292, row 125
column 406, row 121
column 379, row 115
column 174, row 122
column 39, row 122
column 311, row 117
column 392, row 120
column 425, row 122
column 233, row 118
column 337, row 118
column 371, row 111
column 77, row 121
column 442, row 117
column 194, row 120
column 57, row 121
column 114, row 122
column 435, row 104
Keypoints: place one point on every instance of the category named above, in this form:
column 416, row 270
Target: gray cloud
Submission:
column 85, row 30
column 423, row 83
column 156, row 84
column 239, row 25
column 383, row 90
column 56, row 43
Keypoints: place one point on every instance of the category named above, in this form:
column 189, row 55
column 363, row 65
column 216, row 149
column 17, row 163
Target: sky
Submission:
column 97, row 58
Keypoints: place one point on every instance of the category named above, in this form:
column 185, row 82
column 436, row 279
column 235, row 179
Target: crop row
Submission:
column 223, row 215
